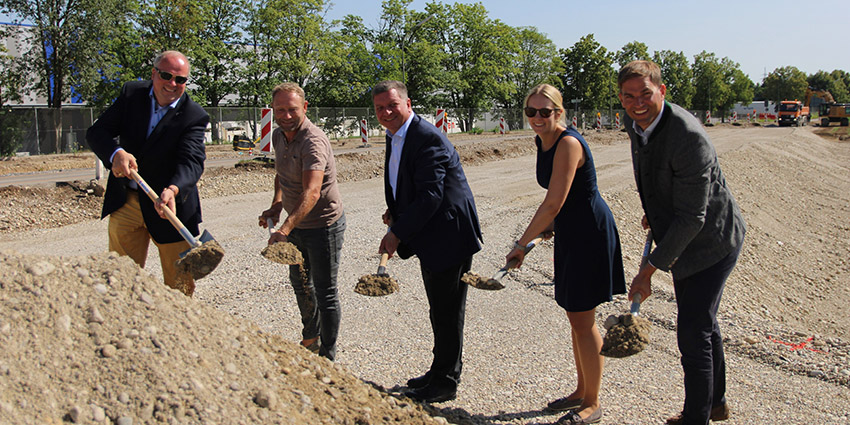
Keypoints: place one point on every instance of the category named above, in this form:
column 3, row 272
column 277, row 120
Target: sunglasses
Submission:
column 544, row 112
column 167, row 76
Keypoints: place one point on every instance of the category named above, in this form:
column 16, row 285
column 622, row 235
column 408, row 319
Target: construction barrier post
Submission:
column 598, row 121
column 266, row 132
column 617, row 121
column 734, row 116
column 502, row 126
column 364, row 132
column 708, row 117
column 575, row 122
column 441, row 120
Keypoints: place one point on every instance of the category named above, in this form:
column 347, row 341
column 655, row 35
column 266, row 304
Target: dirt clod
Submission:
column 477, row 281
column 628, row 335
column 375, row 285
column 202, row 260
column 283, row 253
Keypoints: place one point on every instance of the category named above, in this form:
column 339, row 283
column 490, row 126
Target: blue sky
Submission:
column 759, row 35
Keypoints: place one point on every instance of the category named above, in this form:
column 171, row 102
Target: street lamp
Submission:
column 407, row 39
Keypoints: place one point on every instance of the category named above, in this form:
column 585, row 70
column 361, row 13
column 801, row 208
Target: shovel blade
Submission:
column 205, row 237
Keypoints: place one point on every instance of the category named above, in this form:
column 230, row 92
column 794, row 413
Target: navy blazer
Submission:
column 173, row 154
column 433, row 211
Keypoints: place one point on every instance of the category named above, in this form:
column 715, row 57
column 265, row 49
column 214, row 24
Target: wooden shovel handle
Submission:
column 168, row 213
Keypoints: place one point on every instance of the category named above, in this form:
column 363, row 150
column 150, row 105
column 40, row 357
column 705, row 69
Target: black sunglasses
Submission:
column 544, row 112
column 179, row 79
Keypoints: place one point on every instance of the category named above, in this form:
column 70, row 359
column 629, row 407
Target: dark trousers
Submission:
column 698, row 298
column 447, row 301
column 315, row 283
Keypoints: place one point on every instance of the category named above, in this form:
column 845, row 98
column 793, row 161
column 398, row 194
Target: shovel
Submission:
column 378, row 284
column 204, row 255
column 281, row 252
column 628, row 334
column 494, row 283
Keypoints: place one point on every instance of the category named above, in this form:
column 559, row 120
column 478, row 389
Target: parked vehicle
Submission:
column 834, row 112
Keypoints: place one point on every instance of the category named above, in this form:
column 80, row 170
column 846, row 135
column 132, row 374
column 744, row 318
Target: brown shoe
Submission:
column 718, row 413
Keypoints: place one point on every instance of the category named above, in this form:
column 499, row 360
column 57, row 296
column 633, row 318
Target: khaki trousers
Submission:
column 129, row 236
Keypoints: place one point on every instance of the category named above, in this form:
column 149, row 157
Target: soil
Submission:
column 628, row 336
column 376, row 285
column 283, row 253
column 202, row 260
column 480, row 282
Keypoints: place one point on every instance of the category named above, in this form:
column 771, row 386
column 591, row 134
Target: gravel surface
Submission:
column 784, row 313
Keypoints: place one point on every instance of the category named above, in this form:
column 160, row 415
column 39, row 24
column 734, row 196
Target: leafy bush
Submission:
column 10, row 133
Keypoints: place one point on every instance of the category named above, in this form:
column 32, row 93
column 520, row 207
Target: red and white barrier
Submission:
column 266, row 132
column 364, row 132
column 575, row 121
column 708, row 117
column 734, row 116
column 748, row 118
column 502, row 126
column 441, row 121
column 617, row 121
column 598, row 121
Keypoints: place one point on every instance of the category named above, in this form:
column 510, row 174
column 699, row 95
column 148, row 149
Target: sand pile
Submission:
column 94, row 338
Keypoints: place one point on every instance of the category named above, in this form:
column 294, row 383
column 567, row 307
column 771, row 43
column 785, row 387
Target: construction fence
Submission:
column 41, row 130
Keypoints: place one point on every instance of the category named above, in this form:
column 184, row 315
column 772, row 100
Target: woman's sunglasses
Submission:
column 544, row 112
column 167, row 76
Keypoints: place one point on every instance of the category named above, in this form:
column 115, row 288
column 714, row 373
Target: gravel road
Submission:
column 791, row 284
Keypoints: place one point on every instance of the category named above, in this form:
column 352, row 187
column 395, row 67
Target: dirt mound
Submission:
column 90, row 338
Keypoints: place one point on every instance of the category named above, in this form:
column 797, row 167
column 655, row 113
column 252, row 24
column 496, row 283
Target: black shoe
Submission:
column 432, row 394
column 419, row 382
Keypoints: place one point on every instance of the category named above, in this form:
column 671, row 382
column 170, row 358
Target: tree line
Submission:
column 449, row 55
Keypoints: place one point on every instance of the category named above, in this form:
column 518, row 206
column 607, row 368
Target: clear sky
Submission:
column 759, row 35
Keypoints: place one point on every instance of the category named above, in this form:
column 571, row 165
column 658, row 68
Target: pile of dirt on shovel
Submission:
column 96, row 338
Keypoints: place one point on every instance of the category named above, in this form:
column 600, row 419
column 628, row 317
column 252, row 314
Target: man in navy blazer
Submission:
column 431, row 214
column 154, row 128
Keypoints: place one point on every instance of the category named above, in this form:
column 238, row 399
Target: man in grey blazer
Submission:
column 696, row 224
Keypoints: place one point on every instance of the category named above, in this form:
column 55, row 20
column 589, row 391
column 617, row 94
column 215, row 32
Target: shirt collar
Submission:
column 646, row 133
column 402, row 132
column 156, row 106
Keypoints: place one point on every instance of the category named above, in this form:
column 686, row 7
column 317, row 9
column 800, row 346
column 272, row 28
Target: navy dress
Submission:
column 588, row 257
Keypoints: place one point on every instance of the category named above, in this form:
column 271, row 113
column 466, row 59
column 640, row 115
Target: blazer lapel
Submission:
column 158, row 131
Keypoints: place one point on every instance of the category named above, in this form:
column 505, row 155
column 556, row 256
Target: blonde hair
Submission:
column 550, row 92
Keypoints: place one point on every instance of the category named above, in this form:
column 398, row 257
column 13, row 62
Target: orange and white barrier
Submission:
column 502, row 126
column 266, row 131
column 598, row 121
column 575, row 121
column 441, row 121
column 364, row 132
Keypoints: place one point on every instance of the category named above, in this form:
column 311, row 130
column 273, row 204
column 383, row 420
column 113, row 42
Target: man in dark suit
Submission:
column 430, row 213
column 696, row 224
column 154, row 128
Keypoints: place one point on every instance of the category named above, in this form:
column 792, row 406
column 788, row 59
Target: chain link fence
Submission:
column 40, row 130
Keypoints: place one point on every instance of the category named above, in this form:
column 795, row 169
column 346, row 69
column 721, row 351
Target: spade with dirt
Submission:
column 281, row 252
column 494, row 283
column 628, row 334
column 204, row 255
column 378, row 284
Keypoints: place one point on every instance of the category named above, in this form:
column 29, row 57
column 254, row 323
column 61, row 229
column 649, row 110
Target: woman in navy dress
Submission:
column 588, row 259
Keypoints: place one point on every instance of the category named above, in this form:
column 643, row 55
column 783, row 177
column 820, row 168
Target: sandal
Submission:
column 564, row 404
column 573, row 418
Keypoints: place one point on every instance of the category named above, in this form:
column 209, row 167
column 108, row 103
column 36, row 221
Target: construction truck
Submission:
column 793, row 112
column 834, row 112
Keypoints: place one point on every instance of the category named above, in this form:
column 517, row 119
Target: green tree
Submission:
column 631, row 52
column 677, row 75
column 712, row 89
column 11, row 82
column 474, row 62
column 844, row 77
column 785, row 83
column 216, row 69
column 823, row 80
column 65, row 36
column 588, row 74
column 536, row 61
column 345, row 78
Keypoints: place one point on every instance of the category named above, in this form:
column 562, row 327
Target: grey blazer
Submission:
column 694, row 218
